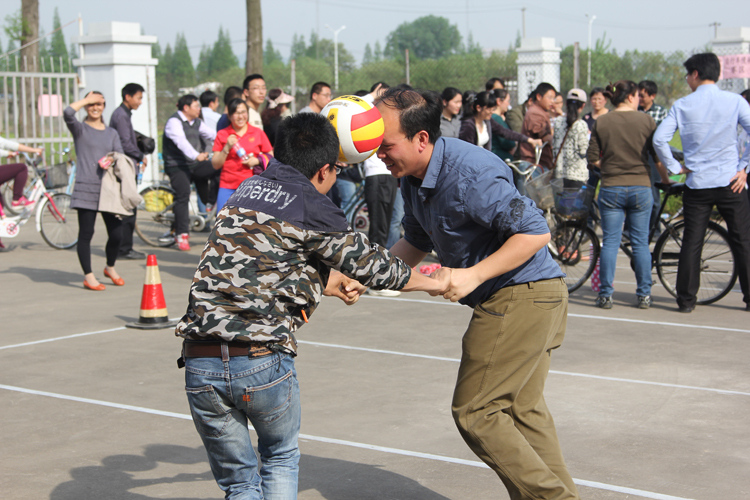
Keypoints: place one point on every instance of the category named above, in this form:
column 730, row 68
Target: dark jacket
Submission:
column 468, row 132
column 122, row 122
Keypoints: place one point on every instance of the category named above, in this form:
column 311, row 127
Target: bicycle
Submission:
column 69, row 165
column 154, row 222
column 55, row 219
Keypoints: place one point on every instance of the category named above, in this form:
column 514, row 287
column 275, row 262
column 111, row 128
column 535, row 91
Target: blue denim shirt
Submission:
column 466, row 208
column 707, row 120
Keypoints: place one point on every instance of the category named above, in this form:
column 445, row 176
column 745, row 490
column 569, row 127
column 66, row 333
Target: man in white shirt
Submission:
column 209, row 103
column 254, row 93
column 320, row 95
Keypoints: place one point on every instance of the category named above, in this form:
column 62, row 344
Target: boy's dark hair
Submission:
column 418, row 110
column 318, row 87
column 232, row 93
column 649, row 86
column 383, row 86
column 707, row 65
column 491, row 83
column 186, row 100
column 207, row 98
column 307, row 142
column 250, row 78
column 619, row 92
column 540, row 90
column 234, row 104
column 131, row 89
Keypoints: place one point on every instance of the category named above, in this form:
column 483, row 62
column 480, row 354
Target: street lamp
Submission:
column 336, row 54
column 588, row 76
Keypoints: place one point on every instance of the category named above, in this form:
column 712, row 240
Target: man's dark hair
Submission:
column 361, row 93
column 383, row 86
column 707, row 65
column 207, row 98
column 318, row 87
column 131, row 89
column 250, row 78
column 540, row 90
column 232, row 93
column 649, row 86
column 418, row 110
column 307, row 142
column 186, row 100
column 234, row 104
column 746, row 94
column 491, row 83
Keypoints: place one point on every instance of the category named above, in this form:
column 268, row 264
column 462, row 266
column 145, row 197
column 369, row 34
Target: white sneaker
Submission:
column 383, row 293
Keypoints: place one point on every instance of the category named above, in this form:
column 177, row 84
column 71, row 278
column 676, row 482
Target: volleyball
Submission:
column 359, row 127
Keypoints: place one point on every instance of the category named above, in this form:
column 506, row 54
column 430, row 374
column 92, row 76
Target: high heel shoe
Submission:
column 118, row 281
column 97, row 288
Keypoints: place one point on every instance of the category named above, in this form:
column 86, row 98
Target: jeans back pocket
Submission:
column 268, row 402
column 209, row 414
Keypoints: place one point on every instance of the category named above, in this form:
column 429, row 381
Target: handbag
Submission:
column 145, row 143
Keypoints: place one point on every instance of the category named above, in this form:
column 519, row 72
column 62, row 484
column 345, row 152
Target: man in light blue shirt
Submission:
column 707, row 120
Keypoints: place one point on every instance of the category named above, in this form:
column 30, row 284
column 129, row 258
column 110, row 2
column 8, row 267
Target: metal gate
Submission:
column 32, row 103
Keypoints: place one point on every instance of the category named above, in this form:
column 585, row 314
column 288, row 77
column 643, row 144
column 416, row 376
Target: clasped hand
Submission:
column 456, row 283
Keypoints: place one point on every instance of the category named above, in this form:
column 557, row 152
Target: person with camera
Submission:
column 132, row 96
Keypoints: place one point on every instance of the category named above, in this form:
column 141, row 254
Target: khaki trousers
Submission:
column 498, row 404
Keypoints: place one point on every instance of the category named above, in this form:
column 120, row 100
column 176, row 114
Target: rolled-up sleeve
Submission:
column 491, row 200
column 664, row 133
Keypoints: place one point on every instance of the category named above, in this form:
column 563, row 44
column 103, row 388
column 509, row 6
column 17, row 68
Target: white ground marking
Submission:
column 354, row 444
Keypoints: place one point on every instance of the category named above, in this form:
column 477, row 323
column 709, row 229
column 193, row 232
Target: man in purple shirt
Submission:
column 185, row 144
column 132, row 96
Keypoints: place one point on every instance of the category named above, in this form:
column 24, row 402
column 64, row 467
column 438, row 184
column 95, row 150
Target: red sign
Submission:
column 735, row 66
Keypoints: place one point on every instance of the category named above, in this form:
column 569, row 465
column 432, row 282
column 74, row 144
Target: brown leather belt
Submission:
column 206, row 349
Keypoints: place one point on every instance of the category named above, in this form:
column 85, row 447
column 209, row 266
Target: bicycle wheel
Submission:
column 58, row 222
column 154, row 220
column 360, row 219
column 717, row 268
column 575, row 248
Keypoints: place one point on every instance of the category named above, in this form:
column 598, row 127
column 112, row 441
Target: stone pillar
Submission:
column 732, row 41
column 114, row 55
column 538, row 61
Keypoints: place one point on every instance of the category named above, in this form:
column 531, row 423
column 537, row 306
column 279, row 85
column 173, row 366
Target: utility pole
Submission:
column 588, row 73
column 336, row 55
column 523, row 21
column 467, row 19
column 254, row 60
column 716, row 28
column 576, row 64
column 317, row 29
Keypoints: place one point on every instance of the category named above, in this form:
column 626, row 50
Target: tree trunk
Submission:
column 254, row 62
column 29, row 57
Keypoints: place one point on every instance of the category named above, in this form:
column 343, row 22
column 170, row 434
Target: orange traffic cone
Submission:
column 153, row 314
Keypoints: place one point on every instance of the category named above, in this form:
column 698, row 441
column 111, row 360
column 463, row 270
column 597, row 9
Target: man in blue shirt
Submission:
column 707, row 120
column 460, row 200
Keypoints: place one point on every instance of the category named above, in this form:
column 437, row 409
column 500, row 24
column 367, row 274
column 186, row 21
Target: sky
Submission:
column 643, row 25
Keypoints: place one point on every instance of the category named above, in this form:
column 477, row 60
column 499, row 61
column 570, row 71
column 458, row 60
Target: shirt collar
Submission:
column 183, row 118
column 127, row 109
column 435, row 165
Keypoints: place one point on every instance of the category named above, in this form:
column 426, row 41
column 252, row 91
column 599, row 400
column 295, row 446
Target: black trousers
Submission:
column 206, row 180
column 380, row 195
column 698, row 205
column 86, row 222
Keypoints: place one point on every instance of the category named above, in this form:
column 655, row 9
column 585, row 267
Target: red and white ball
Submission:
column 359, row 127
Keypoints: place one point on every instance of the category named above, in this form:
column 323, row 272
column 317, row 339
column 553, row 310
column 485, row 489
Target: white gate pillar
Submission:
column 538, row 61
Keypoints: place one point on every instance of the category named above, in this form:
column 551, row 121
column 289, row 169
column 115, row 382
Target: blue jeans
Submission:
column 394, row 234
column 223, row 396
column 618, row 204
column 347, row 189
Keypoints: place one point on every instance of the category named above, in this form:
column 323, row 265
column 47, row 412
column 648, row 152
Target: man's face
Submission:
column 400, row 155
column 547, row 100
column 323, row 98
column 192, row 111
column 692, row 80
column 255, row 93
column 646, row 100
column 559, row 105
column 134, row 101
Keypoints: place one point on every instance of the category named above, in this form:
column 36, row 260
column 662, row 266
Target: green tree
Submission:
column 346, row 59
column 368, row 57
column 313, row 50
column 58, row 49
column 182, row 71
column 473, row 47
column 271, row 55
column 428, row 37
column 203, row 69
column 13, row 28
column 222, row 56
column 377, row 54
column 299, row 48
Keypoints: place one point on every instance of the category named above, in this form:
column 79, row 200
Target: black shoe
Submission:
column 604, row 302
column 644, row 302
column 132, row 255
column 686, row 309
column 747, row 307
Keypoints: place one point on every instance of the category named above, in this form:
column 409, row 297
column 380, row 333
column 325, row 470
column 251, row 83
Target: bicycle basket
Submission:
column 540, row 191
column 55, row 176
column 572, row 203
column 156, row 200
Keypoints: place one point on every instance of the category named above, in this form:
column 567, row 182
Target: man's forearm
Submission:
column 408, row 252
column 515, row 251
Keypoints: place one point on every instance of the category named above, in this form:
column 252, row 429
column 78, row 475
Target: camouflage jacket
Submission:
column 269, row 257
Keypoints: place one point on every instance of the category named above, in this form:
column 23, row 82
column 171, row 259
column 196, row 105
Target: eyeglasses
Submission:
column 338, row 170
